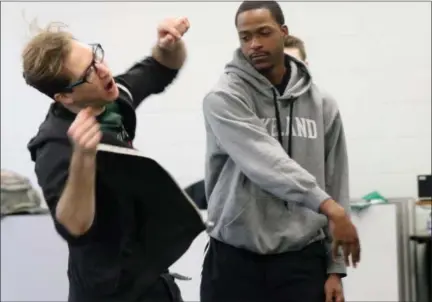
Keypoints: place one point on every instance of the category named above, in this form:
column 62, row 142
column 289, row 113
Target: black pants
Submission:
column 234, row 275
column 164, row 290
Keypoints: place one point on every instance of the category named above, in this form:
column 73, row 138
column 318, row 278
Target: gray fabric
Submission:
column 259, row 198
column 18, row 195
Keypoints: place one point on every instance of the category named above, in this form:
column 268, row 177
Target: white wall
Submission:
column 48, row 253
column 374, row 57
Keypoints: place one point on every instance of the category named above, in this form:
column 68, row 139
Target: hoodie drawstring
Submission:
column 279, row 124
column 278, row 121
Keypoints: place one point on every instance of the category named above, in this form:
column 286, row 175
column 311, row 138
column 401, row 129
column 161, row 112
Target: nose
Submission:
column 102, row 69
column 255, row 44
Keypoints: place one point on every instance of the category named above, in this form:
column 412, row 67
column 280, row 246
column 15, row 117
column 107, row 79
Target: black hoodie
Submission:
column 96, row 267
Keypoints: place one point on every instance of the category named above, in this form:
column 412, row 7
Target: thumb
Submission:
column 166, row 41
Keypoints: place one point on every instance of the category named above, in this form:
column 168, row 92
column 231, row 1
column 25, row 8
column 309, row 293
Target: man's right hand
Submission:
column 76, row 207
column 344, row 232
column 85, row 132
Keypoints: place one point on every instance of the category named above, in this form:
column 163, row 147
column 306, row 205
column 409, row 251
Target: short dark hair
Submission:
column 272, row 6
column 294, row 42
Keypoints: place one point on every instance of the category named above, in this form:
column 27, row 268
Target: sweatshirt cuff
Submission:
column 335, row 265
column 315, row 197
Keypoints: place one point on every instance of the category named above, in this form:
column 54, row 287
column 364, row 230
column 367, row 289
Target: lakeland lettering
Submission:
column 301, row 127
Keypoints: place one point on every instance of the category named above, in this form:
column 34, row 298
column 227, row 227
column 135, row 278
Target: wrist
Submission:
column 334, row 275
column 170, row 48
column 332, row 210
column 84, row 157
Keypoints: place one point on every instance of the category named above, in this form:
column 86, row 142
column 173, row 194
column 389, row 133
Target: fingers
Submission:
column 88, row 138
column 355, row 253
column 167, row 40
column 174, row 27
column 333, row 290
column 329, row 292
column 346, row 247
column 182, row 25
column 183, row 20
column 345, row 235
column 82, row 116
column 85, row 131
column 350, row 251
column 83, row 125
column 168, row 28
column 329, row 296
column 339, row 297
column 93, row 141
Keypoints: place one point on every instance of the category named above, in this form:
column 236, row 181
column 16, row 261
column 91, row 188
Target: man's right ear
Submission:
column 64, row 98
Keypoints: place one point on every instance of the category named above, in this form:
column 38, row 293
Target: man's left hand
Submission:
column 170, row 31
column 333, row 289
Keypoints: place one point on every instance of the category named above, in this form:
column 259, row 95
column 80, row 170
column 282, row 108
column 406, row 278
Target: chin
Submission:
column 263, row 67
column 113, row 94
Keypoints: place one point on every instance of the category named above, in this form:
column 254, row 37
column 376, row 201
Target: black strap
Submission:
column 279, row 124
column 277, row 114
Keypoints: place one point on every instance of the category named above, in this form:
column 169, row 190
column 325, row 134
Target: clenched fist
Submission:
column 85, row 132
column 170, row 31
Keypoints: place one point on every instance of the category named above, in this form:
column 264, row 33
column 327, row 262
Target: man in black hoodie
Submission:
column 90, row 103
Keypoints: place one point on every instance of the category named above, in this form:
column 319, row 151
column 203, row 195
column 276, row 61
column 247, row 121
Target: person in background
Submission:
column 276, row 175
column 295, row 47
column 99, row 223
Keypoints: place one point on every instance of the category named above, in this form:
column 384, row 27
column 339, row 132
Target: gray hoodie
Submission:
column 265, row 183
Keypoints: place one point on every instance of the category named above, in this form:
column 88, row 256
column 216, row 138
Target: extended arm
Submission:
column 145, row 78
column 155, row 73
column 337, row 173
column 260, row 157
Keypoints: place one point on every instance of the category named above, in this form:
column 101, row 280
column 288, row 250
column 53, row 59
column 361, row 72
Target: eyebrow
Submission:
column 255, row 29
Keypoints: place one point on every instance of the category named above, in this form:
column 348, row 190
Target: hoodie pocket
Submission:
column 235, row 214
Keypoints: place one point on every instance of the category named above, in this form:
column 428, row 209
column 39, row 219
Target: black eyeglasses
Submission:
column 98, row 57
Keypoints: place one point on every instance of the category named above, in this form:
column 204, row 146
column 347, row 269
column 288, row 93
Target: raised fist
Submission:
column 170, row 31
column 85, row 132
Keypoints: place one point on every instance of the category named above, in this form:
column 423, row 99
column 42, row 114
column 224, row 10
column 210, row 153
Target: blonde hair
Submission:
column 294, row 42
column 43, row 59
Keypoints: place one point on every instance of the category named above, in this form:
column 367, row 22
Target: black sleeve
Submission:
column 146, row 78
column 52, row 171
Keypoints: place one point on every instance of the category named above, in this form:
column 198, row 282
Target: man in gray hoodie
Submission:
column 276, row 161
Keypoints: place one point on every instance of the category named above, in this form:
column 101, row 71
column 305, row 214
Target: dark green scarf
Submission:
column 112, row 121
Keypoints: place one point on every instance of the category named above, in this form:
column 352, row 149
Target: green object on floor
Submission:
column 368, row 200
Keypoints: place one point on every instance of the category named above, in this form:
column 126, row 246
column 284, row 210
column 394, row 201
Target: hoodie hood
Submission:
column 266, row 163
column 299, row 83
column 58, row 120
column 53, row 128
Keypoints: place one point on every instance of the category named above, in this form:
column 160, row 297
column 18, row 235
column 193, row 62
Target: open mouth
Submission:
column 110, row 85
